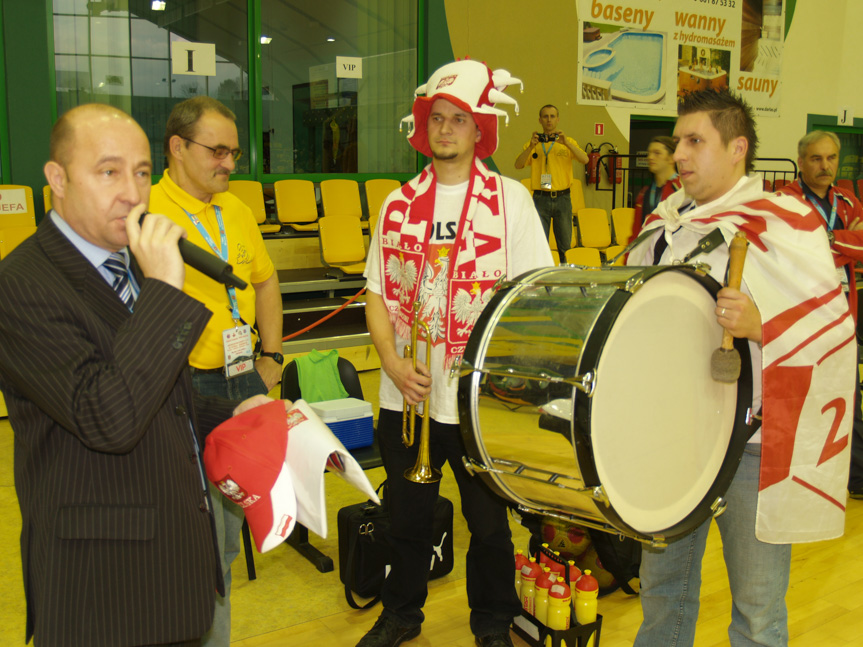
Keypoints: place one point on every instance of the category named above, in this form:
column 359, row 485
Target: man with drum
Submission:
column 790, row 484
column 842, row 215
column 442, row 242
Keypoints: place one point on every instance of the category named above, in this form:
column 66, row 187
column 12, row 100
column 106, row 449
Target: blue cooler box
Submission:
column 349, row 419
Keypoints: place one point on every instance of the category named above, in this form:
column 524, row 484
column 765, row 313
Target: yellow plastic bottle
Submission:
column 543, row 584
column 574, row 573
column 586, row 592
column 529, row 573
column 559, row 606
column 520, row 560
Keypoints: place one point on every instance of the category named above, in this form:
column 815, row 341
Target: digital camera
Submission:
column 551, row 137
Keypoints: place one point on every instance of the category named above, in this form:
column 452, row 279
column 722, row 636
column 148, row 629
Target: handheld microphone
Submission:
column 207, row 263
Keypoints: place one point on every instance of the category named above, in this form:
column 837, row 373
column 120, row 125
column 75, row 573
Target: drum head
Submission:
column 660, row 424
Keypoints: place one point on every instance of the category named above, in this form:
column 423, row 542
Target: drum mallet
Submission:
column 725, row 361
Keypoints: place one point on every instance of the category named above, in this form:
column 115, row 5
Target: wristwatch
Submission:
column 278, row 358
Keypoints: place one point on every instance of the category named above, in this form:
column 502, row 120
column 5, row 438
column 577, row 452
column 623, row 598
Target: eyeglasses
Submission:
column 219, row 152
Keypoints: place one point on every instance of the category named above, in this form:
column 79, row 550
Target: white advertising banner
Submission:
column 646, row 54
column 13, row 201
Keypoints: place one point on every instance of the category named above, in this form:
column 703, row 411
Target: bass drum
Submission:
column 587, row 394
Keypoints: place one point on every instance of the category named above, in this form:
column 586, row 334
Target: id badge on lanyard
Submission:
column 545, row 178
column 236, row 341
column 239, row 356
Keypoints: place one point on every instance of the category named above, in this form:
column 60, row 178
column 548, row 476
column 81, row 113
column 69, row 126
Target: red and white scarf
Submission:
column 808, row 353
column 474, row 263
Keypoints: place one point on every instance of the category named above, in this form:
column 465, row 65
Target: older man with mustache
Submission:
column 202, row 146
column 842, row 215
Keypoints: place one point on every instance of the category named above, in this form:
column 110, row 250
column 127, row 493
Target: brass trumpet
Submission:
column 423, row 471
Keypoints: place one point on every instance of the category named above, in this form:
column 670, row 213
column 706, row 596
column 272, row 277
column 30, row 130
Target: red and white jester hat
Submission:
column 472, row 86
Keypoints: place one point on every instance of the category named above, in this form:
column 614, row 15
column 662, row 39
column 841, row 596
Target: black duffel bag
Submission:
column 364, row 548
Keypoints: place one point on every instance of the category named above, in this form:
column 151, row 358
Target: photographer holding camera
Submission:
column 550, row 154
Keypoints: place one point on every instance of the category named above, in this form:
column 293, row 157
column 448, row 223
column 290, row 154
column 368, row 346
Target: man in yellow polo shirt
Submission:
column 202, row 147
column 550, row 156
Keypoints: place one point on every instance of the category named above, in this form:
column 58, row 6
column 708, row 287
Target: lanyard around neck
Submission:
column 831, row 221
column 546, row 152
column 221, row 253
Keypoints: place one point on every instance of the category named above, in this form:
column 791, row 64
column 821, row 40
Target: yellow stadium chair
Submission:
column 342, row 198
column 613, row 251
column 377, row 191
column 46, row 196
column 528, row 184
column 593, row 228
column 342, row 244
column 576, row 194
column 11, row 237
column 622, row 218
column 16, row 206
column 251, row 193
column 586, row 256
column 296, row 205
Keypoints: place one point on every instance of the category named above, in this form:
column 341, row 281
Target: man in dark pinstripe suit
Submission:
column 117, row 542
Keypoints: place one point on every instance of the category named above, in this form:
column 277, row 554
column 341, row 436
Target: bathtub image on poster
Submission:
column 646, row 54
column 701, row 68
column 619, row 64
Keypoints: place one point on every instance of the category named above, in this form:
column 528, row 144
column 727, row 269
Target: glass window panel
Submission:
column 186, row 86
column 71, row 35
column 73, row 81
column 123, row 58
column 151, row 77
column 149, row 40
column 77, row 7
column 111, row 76
column 109, row 36
column 315, row 122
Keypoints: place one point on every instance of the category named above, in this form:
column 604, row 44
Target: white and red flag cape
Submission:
column 809, row 352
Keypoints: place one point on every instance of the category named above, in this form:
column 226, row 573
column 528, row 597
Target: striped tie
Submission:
column 116, row 264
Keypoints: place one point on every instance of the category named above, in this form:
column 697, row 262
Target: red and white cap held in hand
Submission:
column 245, row 458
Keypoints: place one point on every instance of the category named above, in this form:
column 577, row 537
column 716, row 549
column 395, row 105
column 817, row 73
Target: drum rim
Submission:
column 740, row 433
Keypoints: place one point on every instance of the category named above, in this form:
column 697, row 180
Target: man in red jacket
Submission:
column 842, row 215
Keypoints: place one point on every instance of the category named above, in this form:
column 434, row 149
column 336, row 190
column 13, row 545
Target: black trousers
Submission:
column 855, row 477
column 490, row 560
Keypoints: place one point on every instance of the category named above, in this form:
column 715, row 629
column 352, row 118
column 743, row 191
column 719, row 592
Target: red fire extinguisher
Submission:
column 591, row 169
column 616, row 166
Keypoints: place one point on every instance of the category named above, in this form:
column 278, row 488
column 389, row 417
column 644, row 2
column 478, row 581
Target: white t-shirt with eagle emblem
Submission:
column 526, row 249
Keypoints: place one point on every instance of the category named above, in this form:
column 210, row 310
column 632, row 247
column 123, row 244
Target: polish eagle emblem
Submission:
column 403, row 274
column 467, row 306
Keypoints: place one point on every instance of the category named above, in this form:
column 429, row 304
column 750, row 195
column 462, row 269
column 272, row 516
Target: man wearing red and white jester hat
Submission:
column 442, row 241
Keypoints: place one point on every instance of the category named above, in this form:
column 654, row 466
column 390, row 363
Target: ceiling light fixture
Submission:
column 266, row 40
column 331, row 40
column 158, row 5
